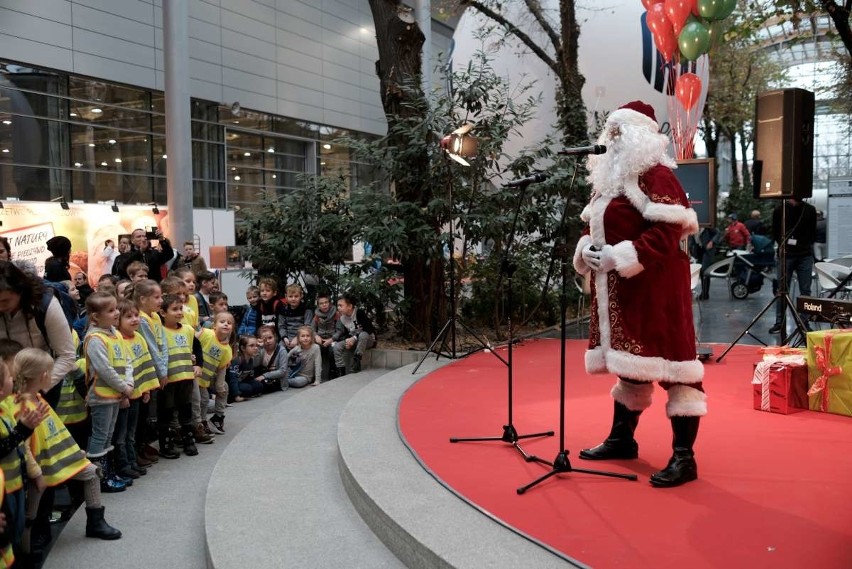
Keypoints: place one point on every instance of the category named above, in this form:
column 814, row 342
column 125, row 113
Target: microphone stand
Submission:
column 510, row 434
column 561, row 464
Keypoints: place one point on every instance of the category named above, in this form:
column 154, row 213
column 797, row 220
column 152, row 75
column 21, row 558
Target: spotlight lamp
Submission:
column 460, row 145
column 62, row 202
column 154, row 209
column 114, row 206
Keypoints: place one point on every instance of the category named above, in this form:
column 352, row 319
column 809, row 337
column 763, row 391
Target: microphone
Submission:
column 534, row 179
column 583, row 150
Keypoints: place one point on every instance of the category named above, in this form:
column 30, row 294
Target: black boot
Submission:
column 341, row 371
column 356, row 363
column 109, row 483
column 96, row 526
column 189, row 447
column 681, row 467
column 620, row 442
column 167, row 445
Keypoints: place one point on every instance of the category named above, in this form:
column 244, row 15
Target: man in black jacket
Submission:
column 794, row 229
column 142, row 251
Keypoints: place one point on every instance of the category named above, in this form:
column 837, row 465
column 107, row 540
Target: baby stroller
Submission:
column 750, row 269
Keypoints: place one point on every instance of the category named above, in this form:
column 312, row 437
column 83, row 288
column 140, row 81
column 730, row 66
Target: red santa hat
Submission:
column 637, row 113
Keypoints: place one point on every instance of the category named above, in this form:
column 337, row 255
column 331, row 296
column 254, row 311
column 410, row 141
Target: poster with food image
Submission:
column 28, row 226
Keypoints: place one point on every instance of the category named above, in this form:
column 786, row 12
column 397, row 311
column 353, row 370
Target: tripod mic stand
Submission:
column 781, row 296
column 561, row 464
column 453, row 321
column 510, row 434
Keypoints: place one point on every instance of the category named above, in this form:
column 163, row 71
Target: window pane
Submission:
column 245, row 140
column 208, row 194
column 33, row 184
column 104, row 185
column 117, row 150
column 208, row 161
column 243, row 195
column 27, row 140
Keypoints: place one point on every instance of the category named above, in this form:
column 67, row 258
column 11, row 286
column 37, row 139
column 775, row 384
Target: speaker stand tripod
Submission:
column 510, row 434
column 561, row 464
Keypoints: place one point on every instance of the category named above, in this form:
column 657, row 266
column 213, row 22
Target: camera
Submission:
column 151, row 233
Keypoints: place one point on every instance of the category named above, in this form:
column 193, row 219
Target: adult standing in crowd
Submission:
column 754, row 224
column 641, row 328
column 736, row 234
column 143, row 252
column 191, row 259
column 5, row 250
column 794, row 227
column 56, row 267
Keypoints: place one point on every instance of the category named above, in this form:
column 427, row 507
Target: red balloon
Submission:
column 688, row 90
column 649, row 3
column 657, row 20
column 667, row 45
column 693, row 8
column 678, row 11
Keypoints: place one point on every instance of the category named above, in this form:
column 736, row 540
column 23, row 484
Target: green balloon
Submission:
column 694, row 40
column 728, row 7
column 712, row 9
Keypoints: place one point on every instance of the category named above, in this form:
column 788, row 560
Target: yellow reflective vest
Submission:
column 179, row 348
column 144, row 372
column 55, row 450
column 190, row 310
column 12, row 464
column 119, row 358
column 72, row 406
column 217, row 356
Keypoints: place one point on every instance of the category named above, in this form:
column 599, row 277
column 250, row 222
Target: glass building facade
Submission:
column 92, row 141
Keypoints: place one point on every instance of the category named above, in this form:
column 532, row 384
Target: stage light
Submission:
column 459, row 145
column 154, row 209
column 114, row 206
column 62, row 202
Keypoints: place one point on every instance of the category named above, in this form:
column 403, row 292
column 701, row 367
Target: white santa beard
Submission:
column 629, row 154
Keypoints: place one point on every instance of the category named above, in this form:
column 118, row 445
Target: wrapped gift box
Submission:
column 780, row 387
column 830, row 371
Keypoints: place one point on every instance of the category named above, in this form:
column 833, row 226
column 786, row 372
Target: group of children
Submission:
column 154, row 354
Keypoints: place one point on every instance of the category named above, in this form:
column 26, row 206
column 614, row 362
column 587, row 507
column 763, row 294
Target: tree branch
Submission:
column 513, row 30
column 534, row 7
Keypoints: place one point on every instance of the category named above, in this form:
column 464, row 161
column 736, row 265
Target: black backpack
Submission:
column 69, row 307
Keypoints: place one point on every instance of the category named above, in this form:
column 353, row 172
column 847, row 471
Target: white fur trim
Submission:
column 627, row 259
column 579, row 264
column 595, row 361
column 645, row 368
column 685, row 401
column 602, row 298
column 685, row 217
column 597, row 208
column 629, row 116
column 586, row 214
column 634, row 396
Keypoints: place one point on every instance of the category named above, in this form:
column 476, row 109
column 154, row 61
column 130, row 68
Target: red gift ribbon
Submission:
column 823, row 359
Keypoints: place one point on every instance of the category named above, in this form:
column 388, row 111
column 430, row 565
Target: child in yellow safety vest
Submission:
column 56, row 453
column 148, row 297
column 109, row 376
column 217, row 355
column 72, row 407
column 7, row 553
column 145, row 380
column 182, row 371
column 16, row 425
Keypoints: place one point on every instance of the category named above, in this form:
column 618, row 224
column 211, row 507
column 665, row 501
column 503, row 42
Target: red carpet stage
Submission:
column 773, row 490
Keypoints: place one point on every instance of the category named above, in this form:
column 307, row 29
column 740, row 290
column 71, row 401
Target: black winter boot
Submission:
column 620, row 442
column 341, row 371
column 167, row 445
column 189, row 447
column 109, row 483
column 681, row 467
column 705, row 288
column 96, row 526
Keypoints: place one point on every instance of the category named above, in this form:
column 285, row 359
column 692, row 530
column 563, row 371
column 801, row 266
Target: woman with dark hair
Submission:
column 5, row 250
column 21, row 300
column 56, row 267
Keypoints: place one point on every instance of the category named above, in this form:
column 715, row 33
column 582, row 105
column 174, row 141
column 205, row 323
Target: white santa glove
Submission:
column 591, row 256
column 606, row 261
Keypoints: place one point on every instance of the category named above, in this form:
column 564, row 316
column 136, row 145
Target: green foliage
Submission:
column 404, row 216
column 742, row 202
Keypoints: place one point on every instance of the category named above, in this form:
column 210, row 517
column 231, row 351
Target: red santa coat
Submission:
column 641, row 322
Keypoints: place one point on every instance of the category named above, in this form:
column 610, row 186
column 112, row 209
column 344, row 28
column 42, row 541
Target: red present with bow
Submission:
column 830, row 371
column 780, row 387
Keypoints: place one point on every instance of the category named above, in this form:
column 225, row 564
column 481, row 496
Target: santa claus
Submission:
column 641, row 327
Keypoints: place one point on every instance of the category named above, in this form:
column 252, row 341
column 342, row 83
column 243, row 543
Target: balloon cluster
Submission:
column 686, row 29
